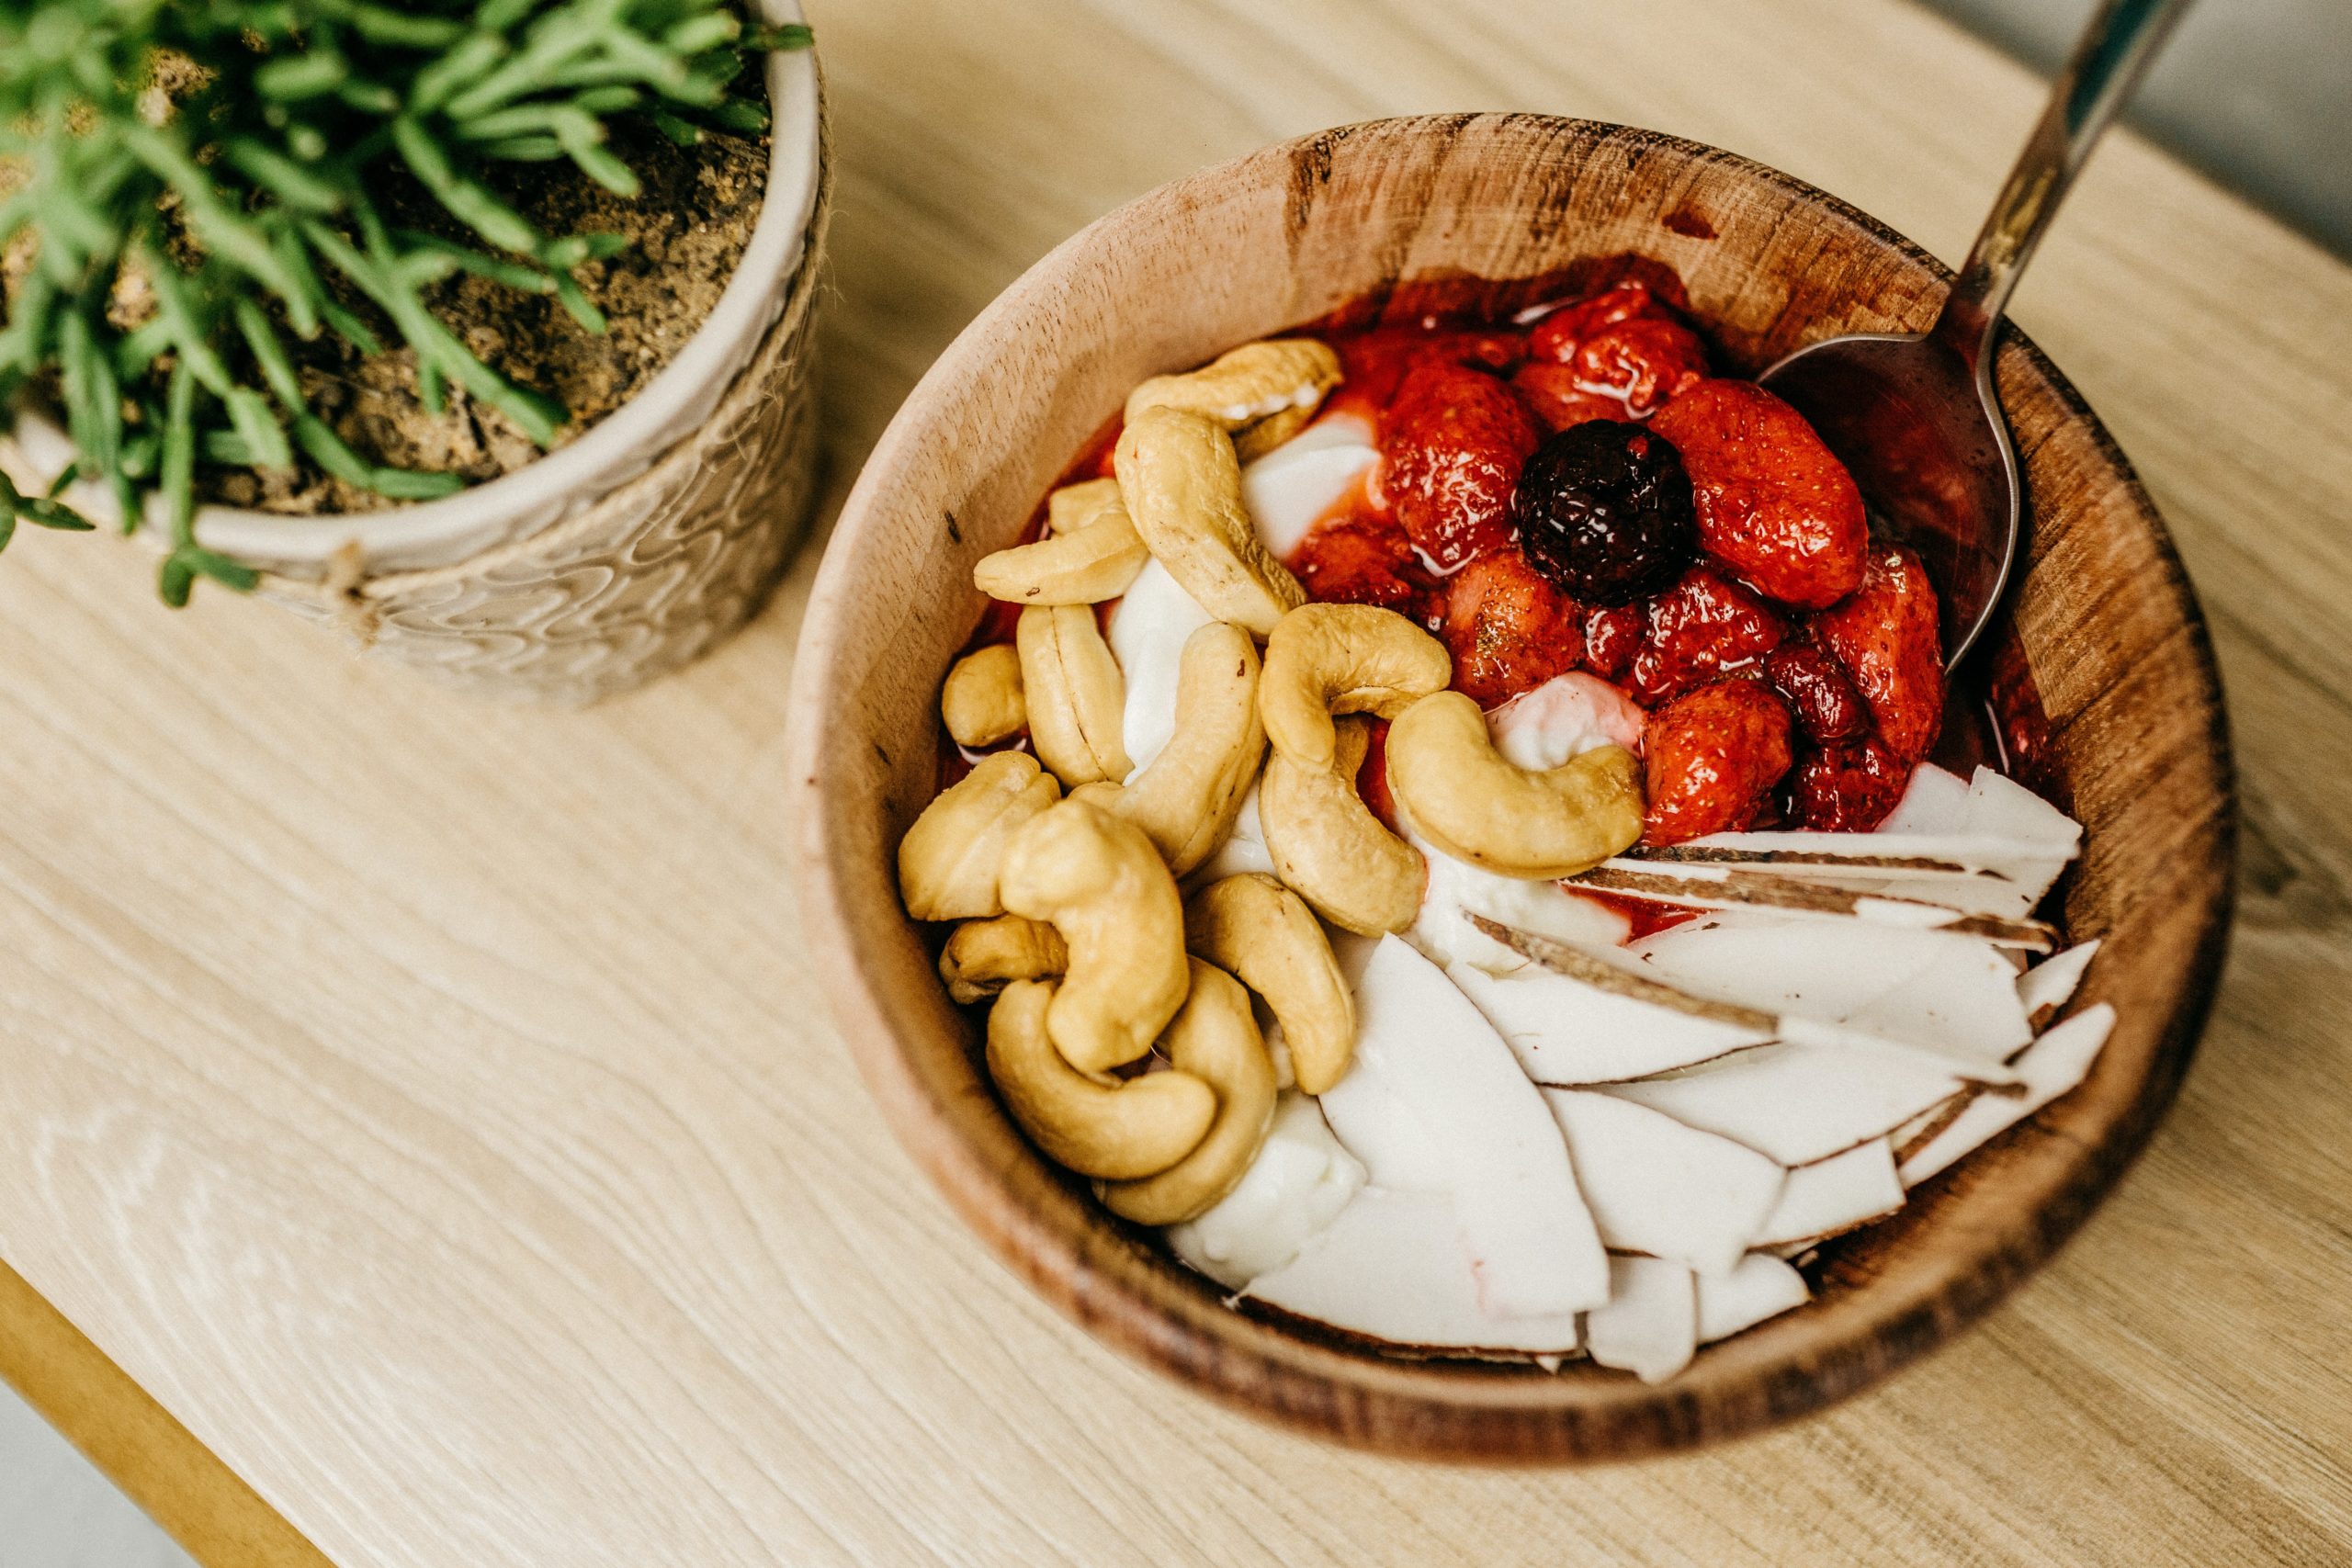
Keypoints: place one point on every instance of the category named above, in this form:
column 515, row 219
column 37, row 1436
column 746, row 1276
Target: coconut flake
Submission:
column 1760, row 1288
column 1391, row 1266
column 2050, row 984
column 1625, row 974
column 1567, row 1033
column 1931, row 988
column 1421, row 1044
column 1935, row 801
column 1729, row 887
column 1833, row 1195
column 1650, row 1325
column 1798, row 1102
column 1296, row 1187
column 2052, row 1065
column 1657, row 1186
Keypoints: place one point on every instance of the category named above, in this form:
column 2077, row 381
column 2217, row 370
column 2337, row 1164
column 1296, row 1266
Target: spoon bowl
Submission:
column 1922, row 435
column 1913, row 415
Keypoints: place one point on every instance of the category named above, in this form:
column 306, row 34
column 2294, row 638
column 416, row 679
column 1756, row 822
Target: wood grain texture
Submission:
column 1368, row 218
column 433, row 1105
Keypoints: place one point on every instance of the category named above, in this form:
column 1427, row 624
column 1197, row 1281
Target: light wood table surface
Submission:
column 430, row 1106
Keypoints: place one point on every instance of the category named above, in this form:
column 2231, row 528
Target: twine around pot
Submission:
column 649, row 576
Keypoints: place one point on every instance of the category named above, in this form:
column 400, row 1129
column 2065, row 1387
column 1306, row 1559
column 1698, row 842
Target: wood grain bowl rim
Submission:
column 1864, row 1325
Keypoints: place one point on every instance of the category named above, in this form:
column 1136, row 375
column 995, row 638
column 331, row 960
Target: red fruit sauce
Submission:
column 1459, row 379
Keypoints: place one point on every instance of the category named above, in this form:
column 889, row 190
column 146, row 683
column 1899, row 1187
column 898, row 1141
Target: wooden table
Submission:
column 429, row 1104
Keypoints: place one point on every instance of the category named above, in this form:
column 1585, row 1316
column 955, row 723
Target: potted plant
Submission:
column 479, row 326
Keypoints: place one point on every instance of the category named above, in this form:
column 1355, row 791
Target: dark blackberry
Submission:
column 1604, row 511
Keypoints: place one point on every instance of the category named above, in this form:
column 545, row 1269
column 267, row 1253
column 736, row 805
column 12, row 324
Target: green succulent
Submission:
column 216, row 156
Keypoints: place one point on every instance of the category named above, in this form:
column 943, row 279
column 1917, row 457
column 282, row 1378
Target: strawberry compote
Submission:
column 1578, row 490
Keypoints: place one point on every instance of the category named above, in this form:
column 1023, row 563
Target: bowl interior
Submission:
column 1500, row 209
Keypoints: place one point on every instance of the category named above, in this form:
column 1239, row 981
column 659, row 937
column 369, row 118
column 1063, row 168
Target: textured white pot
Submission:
column 632, row 550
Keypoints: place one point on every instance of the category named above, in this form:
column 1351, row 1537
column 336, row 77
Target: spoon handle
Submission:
column 2107, row 63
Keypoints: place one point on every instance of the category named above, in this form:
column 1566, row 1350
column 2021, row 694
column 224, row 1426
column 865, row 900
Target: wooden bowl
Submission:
column 2105, row 620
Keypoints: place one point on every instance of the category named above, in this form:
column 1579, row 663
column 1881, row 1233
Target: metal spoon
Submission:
column 1914, row 416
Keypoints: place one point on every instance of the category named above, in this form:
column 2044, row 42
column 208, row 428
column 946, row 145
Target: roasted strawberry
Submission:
column 1558, row 335
column 1642, row 362
column 1703, row 626
column 1886, row 637
column 1552, row 391
column 1612, row 638
column 1773, row 503
column 1376, row 362
column 1372, row 775
column 1364, row 560
column 1848, row 786
column 1451, row 449
column 1815, row 688
column 1712, row 759
column 1508, row 629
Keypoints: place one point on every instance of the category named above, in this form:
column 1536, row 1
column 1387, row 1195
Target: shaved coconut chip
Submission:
column 1915, row 854
column 2048, row 986
column 1913, row 1136
column 1651, row 1324
column 2052, row 1065
column 1999, row 806
column 1949, row 993
column 1423, row 1043
column 1798, row 1103
column 1391, row 1266
column 1833, row 1195
column 1567, row 1033
column 1660, row 1187
column 1147, row 636
column 1291, row 1193
column 1624, row 974
column 1720, row 887
column 1370, row 1113
column 1935, row 801
column 1288, row 489
column 1760, row 1288
column 1244, row 849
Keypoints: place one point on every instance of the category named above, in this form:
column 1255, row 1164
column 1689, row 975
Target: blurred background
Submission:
column 2255, row 93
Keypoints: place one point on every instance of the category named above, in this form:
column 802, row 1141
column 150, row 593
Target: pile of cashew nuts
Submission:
column 1069, row 908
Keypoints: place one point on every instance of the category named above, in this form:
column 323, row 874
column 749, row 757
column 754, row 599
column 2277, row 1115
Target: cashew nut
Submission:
column 1327, row 843
column 1103, row 1127
column 1098, row 882
column 1093, row 553
column 1072, row 507
column 1252, row 441
column 1215, row 1041
column 1075, row 699
column 1266, row 935
column 1463, row 796
column 1244, row 386
column 947, row 861
column 981, row 956
column 1334, row 658
column 1182, row 486
column 980, row 703
column 1187, row 797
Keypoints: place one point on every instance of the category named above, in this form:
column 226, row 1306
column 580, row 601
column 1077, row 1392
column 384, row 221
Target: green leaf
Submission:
column 289, row 181
column 264, row 439
column 297, row 78
column 174, row 580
